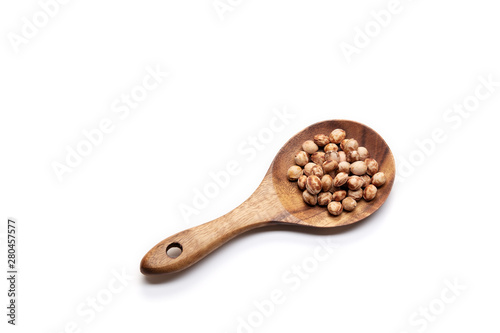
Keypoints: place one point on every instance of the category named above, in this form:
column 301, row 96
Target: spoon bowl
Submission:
column 317, row 216
column 276, row 201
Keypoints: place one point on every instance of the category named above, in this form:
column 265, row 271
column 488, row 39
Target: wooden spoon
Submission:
column 275, row 201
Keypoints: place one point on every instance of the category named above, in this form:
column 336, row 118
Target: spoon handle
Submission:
column 193, row 244
column 262, row 208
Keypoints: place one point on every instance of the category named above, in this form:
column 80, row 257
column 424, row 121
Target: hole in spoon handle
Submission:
column 174, row 250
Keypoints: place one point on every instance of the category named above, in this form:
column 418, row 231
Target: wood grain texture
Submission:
column 276, row 201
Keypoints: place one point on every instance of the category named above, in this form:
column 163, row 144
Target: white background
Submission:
column 226, row 76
